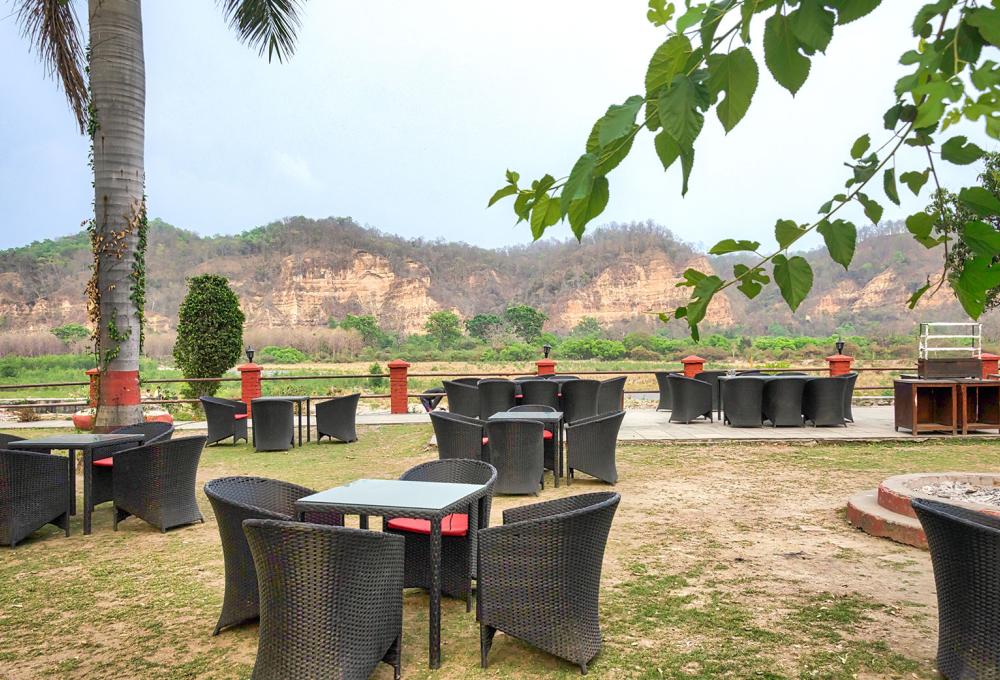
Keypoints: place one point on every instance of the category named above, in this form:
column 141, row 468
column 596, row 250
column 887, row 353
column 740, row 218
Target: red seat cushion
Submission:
column 105, row 462
column 452, row 525
column 547, row 435
column 486, row 440
column 241, row 416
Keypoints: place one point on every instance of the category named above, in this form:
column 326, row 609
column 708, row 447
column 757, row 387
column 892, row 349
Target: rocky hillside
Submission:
column 301, row 272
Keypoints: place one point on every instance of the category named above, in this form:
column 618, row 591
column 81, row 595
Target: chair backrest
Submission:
column 561, row 376
column 6, row 439
column 516, row 450
column 467, row 381
column 457, row 436
column 823, row 401
column 154, row 432
column 742, row 400
column 849, row 379
column 273, row 424
column 611, row 395
column 255, row 496
column 533, row 408
column 712, row 378
column 579, row 399
column 452, row 471
column 666, row 400
column 540, row 391
column 462, row 398
column 495, row 396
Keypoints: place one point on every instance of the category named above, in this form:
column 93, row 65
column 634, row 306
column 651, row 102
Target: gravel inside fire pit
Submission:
column 963, row 491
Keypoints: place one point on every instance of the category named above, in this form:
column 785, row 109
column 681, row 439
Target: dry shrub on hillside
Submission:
column 159, row 345
column 319, row 343
column 31, row 344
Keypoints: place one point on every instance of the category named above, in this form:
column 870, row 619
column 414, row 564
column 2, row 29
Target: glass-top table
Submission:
column 554, row 418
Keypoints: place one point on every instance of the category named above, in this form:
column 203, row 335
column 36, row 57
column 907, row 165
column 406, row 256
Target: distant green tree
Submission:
column 71, row 332
column 209, row 332
column 371, row 333
column 444, row 327
column 588, row 327
column 526, row 321
column 481, row 325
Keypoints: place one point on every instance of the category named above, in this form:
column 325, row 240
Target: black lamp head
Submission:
column 249, row 351
column 546, row 348
column 839, row 345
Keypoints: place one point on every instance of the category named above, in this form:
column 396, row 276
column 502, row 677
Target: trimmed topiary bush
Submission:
column 209, row 332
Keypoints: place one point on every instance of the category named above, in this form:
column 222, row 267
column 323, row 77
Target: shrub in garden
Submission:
column 273, row 354
column 209, row 332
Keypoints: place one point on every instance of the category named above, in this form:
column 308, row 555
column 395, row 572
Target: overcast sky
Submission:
column 404, row 116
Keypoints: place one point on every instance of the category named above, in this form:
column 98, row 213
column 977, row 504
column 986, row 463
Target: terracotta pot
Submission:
column 83, row 421
column 159, row 418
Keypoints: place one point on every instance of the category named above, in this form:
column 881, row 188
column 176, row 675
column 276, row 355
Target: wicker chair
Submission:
column 850, row 379
column 666, row 402
column 34, row 491
column 965, row 552
column 463, row 399
column 550, row 458
column 517, row 452
column 331, row 600
column 561, row 377
column 540, row 391
column 823, row 401
column 336, row 418
column 579, row 399
column 235, row 499
column 691, row 399
column 458, row 436
column 156, row 483
column 273, row 425
column 712, row 378
column 591, row 444
column 495, row 396
column 611, row 395
column 540, row 576
column 226, row 418
column 783, row 401
column 102, row 478
column 468, row 381
column 7, row 439
column 743, row 401
column 458, row 543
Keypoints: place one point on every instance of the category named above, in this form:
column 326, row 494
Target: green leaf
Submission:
column 522, row 205
column 619, row 120
column 873, row 210
column 736, row 74
column 980, row 200
column 668, row 60
column 659, row 12
column 751, row 280
column 710, row 22
column 691, row 17
column 781, row 54
column 584, row 210
column 580, row 180
column 982, row 238
column 917, row 294
column 812, row 24
column 544, row 214
column 732, row 246
column 978, row 276
column 915, row 180
column 929, row 113
column 920, row 225
column 889, row 185
column 669, row 150
column 679, row 108
column 609, row 158
column 849, row 10
column 701, row 296
column 957, row 151
column 840, row 237
column 787, row 232
column 513, row 177
column 861, row 144
column 503, row 192
column 794, row 277
column 988, row 22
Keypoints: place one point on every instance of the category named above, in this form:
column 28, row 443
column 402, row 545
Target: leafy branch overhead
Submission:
column 705, row 63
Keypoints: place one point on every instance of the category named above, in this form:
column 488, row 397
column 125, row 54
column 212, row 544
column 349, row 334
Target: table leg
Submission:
column 71, row 461
column 363, row 521
column 473, row 531
column 561, row 452
column 299, row 404
column 954, row 410
column 88, row 472
column 435, row 594
column 308, row 419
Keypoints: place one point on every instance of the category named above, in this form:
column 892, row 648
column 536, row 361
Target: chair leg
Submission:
column 486, row 634
column 394, row 657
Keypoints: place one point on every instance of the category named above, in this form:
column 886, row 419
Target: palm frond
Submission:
column 52, row 29
column 268, row 25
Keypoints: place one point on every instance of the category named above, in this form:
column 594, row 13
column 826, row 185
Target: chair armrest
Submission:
column 593, row 419
column 545, row 509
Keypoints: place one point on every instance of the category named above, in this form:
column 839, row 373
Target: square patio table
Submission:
column 391, row 498
column 546, row 417
column 86, row 443
column 298, row 401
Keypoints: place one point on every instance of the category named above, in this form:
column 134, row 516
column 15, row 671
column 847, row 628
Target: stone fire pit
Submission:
column 886, row 511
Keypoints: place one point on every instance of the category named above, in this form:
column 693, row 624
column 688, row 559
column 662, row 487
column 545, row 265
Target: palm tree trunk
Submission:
column 118, row 93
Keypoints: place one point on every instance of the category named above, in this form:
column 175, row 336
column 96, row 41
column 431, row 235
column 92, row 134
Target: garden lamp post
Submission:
column 546, row 348
column 839, row 345
column 249, row 351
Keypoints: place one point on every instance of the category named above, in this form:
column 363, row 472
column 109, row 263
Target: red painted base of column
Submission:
column 119, row 388
column 693, row 365
column 399, row 386
column 545, row 367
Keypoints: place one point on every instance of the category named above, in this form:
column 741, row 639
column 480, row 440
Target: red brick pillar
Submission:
column 991, row 364
column 840, row 364
column 693, row 365
column 399, row 386
column 545, row 367
column 249, row 383
column 94, row 376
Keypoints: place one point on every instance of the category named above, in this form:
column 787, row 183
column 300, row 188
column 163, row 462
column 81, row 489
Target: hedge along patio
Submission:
column 723, row 561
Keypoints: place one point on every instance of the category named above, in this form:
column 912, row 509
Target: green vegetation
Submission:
column 209, row 332
column 525, row 321
column 367, row 326
column 444, row 328
column 282, row 355
column 71, row 332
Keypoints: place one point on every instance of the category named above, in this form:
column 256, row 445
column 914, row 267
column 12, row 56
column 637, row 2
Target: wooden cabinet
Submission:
column 926, row 405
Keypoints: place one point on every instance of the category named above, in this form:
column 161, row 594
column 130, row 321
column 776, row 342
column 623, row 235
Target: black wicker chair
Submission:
column 666, row 401
column 540, row 391
column 742, row 401
column 495, row 396
column 458, row 543
column 823, row 401
column 850, row 379
column 7, row 439
column 468, row 381
column 331, row 600
column 691, row 399
column 336, row 418
column 712, row 378
column 34, row 491
column 273, row 425
column 156, row 483
column 517, row 451
column 579, row 399
column 458, row 436
column 235, row 499
column 783, row 401
column 965, row 552
column 463, row 399
column 540, row 576
column 591, row 444
column 226, row 418
column 549, row 434
column 560, row 377
column 611, row 395
column 102, row 478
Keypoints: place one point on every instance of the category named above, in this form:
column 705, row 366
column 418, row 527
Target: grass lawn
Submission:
column 724, row 561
